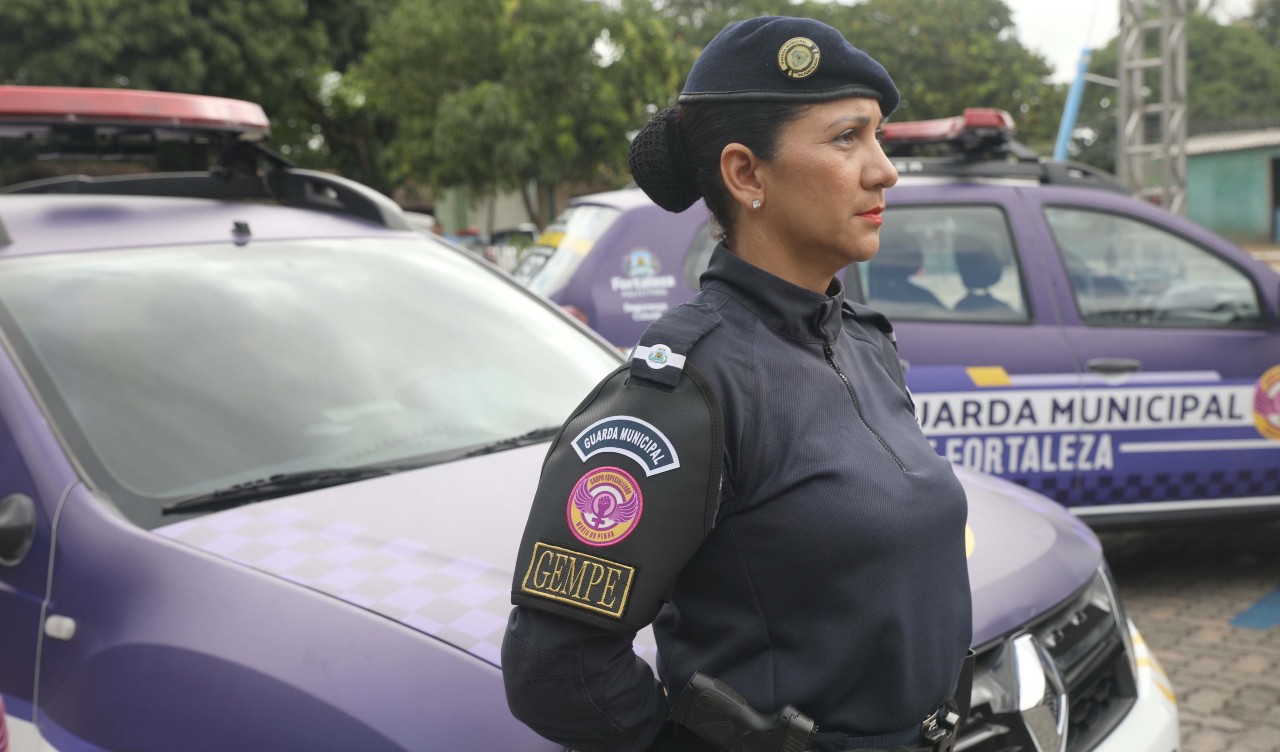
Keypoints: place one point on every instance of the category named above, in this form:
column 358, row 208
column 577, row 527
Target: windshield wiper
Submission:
column 273, row 487
column 524, row 439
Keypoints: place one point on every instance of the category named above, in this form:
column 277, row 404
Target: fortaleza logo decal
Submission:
column 605, row 506
column 1266, row 404
column 640, row 263
column 642, row 279
column 630, row 437
column 659, row 356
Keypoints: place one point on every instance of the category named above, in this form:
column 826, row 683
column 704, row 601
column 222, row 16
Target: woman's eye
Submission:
column 847, row 136
column 880, row 136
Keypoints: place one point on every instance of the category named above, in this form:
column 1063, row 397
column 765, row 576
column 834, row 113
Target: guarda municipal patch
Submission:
column 578, row 579
column 630, row 437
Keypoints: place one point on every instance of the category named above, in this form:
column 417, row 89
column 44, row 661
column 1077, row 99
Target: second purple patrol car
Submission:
column 1058, row 333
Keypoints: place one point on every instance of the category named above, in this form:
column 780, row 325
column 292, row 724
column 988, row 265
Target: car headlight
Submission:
column 1111, row 602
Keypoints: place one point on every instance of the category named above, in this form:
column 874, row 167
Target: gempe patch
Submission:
column 1266, row 404
column 605, row 506
column 578, row 579
column 630, row 437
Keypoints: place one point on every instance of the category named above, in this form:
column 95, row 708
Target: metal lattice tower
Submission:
column 1151, row 143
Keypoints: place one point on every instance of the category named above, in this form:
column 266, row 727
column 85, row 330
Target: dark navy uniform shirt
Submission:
column 835, row 578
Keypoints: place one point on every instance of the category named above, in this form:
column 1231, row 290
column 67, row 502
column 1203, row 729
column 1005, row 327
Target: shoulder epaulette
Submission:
column 664, row 345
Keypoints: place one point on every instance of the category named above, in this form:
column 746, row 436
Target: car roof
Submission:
column 46, row 223
column 625, row 198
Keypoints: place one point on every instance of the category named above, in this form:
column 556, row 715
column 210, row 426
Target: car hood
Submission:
column 434, row 549
column 1026, row 554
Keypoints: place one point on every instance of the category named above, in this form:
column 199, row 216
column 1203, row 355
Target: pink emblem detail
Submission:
column 605, row 506
column 1266, row 404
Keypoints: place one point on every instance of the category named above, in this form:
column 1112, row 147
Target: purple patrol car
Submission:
column 266, row 455
column 1058, row 332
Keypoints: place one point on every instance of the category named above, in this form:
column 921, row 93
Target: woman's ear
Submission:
column 739, row 168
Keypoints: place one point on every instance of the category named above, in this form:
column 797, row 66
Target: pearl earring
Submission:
column 755, row 203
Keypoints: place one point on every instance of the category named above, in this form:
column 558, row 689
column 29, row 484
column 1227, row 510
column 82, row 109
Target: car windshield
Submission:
column 176, row 371
column 549, row 265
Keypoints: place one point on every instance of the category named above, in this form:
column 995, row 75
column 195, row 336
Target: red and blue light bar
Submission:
column 981, row 122
column 81, row 106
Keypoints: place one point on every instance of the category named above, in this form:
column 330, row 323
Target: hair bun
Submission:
column 660, row 164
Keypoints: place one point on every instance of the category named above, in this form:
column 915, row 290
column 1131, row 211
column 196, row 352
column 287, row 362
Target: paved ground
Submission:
column 1183, row 587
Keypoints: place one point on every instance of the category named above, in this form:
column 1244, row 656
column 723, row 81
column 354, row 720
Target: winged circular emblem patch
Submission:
column 605, row 506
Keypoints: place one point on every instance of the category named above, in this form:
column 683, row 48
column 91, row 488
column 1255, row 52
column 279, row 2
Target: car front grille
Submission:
column 1089, row 652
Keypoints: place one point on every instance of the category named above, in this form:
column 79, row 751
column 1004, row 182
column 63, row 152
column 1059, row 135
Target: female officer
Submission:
column 831, row 575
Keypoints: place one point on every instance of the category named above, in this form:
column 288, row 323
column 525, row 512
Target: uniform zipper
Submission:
column 831, row 361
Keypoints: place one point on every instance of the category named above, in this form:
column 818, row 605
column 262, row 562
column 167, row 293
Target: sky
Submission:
column 1059, row 30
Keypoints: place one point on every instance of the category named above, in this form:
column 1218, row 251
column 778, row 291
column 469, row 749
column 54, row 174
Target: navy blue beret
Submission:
column 780, row 59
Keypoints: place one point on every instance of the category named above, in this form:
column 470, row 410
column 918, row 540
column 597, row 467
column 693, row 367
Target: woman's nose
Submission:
column 881, row 173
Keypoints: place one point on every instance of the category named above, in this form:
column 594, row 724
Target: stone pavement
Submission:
column 1183, row 586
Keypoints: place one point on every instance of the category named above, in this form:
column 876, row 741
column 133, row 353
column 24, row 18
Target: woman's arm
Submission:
column 580, row 685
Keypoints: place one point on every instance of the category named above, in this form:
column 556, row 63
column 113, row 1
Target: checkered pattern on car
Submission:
column 462, row 601
column 1161, row 486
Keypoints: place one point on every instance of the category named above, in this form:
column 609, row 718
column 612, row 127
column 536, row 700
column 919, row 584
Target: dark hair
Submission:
column 675, row 158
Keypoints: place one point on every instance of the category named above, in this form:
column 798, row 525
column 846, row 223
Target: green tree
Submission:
column 947, row 55
column 1233, row 72
column 577, row 123
column 653, row 58
column 697, row 21
column 419, row 53
column 286, row 55
column 518, row 94
column 325, row 122
column 251, row 49
column 1266, row 19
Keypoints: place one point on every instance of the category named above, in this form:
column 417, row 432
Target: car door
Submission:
column 1176, row 336
column 34, row 475
column 976, row 324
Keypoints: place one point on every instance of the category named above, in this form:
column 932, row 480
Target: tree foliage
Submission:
column 284, row 54
column 946, row 56
column 1265, row 18
column 495, row 95
column 253, row 49
column 512, row 94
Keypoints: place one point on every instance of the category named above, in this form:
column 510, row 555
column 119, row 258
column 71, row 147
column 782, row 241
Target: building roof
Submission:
column 1213, row 143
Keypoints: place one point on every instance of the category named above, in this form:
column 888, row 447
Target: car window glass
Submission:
column 1125, row 271
column 944, row 263
column 175, row 371
column 699, row 256
column 569, row 239
column 531, row 263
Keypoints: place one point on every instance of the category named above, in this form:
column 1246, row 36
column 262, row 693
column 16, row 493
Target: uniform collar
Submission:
column 790, row 310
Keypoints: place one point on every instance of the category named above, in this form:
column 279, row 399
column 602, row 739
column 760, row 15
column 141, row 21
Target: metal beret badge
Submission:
column 798, row 57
